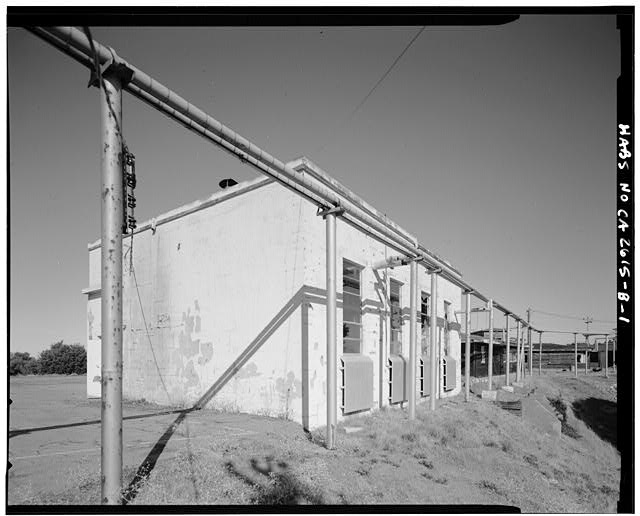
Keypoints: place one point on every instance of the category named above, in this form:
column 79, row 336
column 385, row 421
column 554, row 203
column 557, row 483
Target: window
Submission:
column 425, row 309
column 351, row 307
column 396, row 317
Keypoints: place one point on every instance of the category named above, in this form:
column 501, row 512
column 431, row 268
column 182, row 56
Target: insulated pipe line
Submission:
column 74, row 43
column 76, row 40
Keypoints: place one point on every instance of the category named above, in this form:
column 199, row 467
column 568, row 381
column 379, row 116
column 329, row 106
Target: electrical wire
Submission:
column 372, row 90
column 395, row 62
column 552, row 314
column 146, row 327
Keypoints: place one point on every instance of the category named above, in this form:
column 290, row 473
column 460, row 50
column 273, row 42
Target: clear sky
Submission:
column 494, row 146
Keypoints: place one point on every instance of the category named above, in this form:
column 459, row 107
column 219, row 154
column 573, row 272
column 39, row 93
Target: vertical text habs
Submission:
column 625, row 206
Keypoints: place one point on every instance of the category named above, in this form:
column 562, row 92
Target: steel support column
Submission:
column 606, row 357
column 518, row 377
column 413, row 289
column 575, row 358
column 586, row 355
column 467, row 347
column 540, row 353
column 508, row 342
column 330, row 219
column 433, row 337
column 111, row 296
column 530, row 339
column 490, row 368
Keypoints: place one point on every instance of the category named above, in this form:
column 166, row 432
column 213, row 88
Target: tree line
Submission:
column 60, row 358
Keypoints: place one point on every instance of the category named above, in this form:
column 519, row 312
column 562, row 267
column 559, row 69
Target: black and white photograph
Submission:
column 357, row 259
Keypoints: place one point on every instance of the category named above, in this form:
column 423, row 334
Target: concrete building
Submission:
column 226, row 305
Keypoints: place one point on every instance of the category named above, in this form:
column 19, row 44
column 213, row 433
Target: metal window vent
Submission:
column 357, row 383
column 425, row 376
column 397, row 368
column 450, row 366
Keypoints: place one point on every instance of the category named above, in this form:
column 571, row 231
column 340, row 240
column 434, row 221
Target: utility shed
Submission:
column 226, row 306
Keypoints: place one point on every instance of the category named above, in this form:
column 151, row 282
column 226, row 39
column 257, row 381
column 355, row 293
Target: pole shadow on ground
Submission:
column 599, row 415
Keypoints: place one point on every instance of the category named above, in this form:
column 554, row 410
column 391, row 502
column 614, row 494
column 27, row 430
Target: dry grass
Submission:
column 464, row 453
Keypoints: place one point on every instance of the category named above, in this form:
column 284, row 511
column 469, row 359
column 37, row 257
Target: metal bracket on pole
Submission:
column 114, row 66
column 337, row 210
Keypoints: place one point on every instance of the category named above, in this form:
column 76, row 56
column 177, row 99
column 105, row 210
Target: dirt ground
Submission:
column 464, row 453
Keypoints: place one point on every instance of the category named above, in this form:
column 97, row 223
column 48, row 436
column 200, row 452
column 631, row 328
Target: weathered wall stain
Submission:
column 289, row 388
column 188, row 347
column 206, row 350
column 248, row 371
column 90, row 321
column 190, row 375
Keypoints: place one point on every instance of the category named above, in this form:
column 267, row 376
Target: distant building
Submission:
column 230, row 301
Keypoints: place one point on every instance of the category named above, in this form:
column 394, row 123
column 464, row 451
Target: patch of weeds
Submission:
column 490, row 486
column 444, row 440
column 392, row 463
column 426, row 463
column 315, row 437
column 419, row 455
column 285, row 489
column 607, row 490
column 410, row 437
column 362, row 453
column 506, row 446
column 362, row 471
column 437, row 480
column 531, row 459
column 489, row 443
column 561, row 409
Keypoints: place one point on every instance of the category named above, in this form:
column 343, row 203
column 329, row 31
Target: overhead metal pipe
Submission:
column 508, row 342
column 75, row 44
column 413, row 292
column 490, row 306
column 111, row 192
column 433, row 324
column 330, row 219
column 467, row 346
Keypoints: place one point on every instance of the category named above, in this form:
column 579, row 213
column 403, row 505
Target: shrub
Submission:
column 22, row 363
column 63, row 359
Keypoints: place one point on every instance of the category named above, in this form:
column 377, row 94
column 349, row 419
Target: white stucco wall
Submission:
column 233, row 299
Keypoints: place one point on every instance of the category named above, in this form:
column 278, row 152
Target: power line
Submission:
column 366, row 97
column 562, row 316
column 386, row 73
